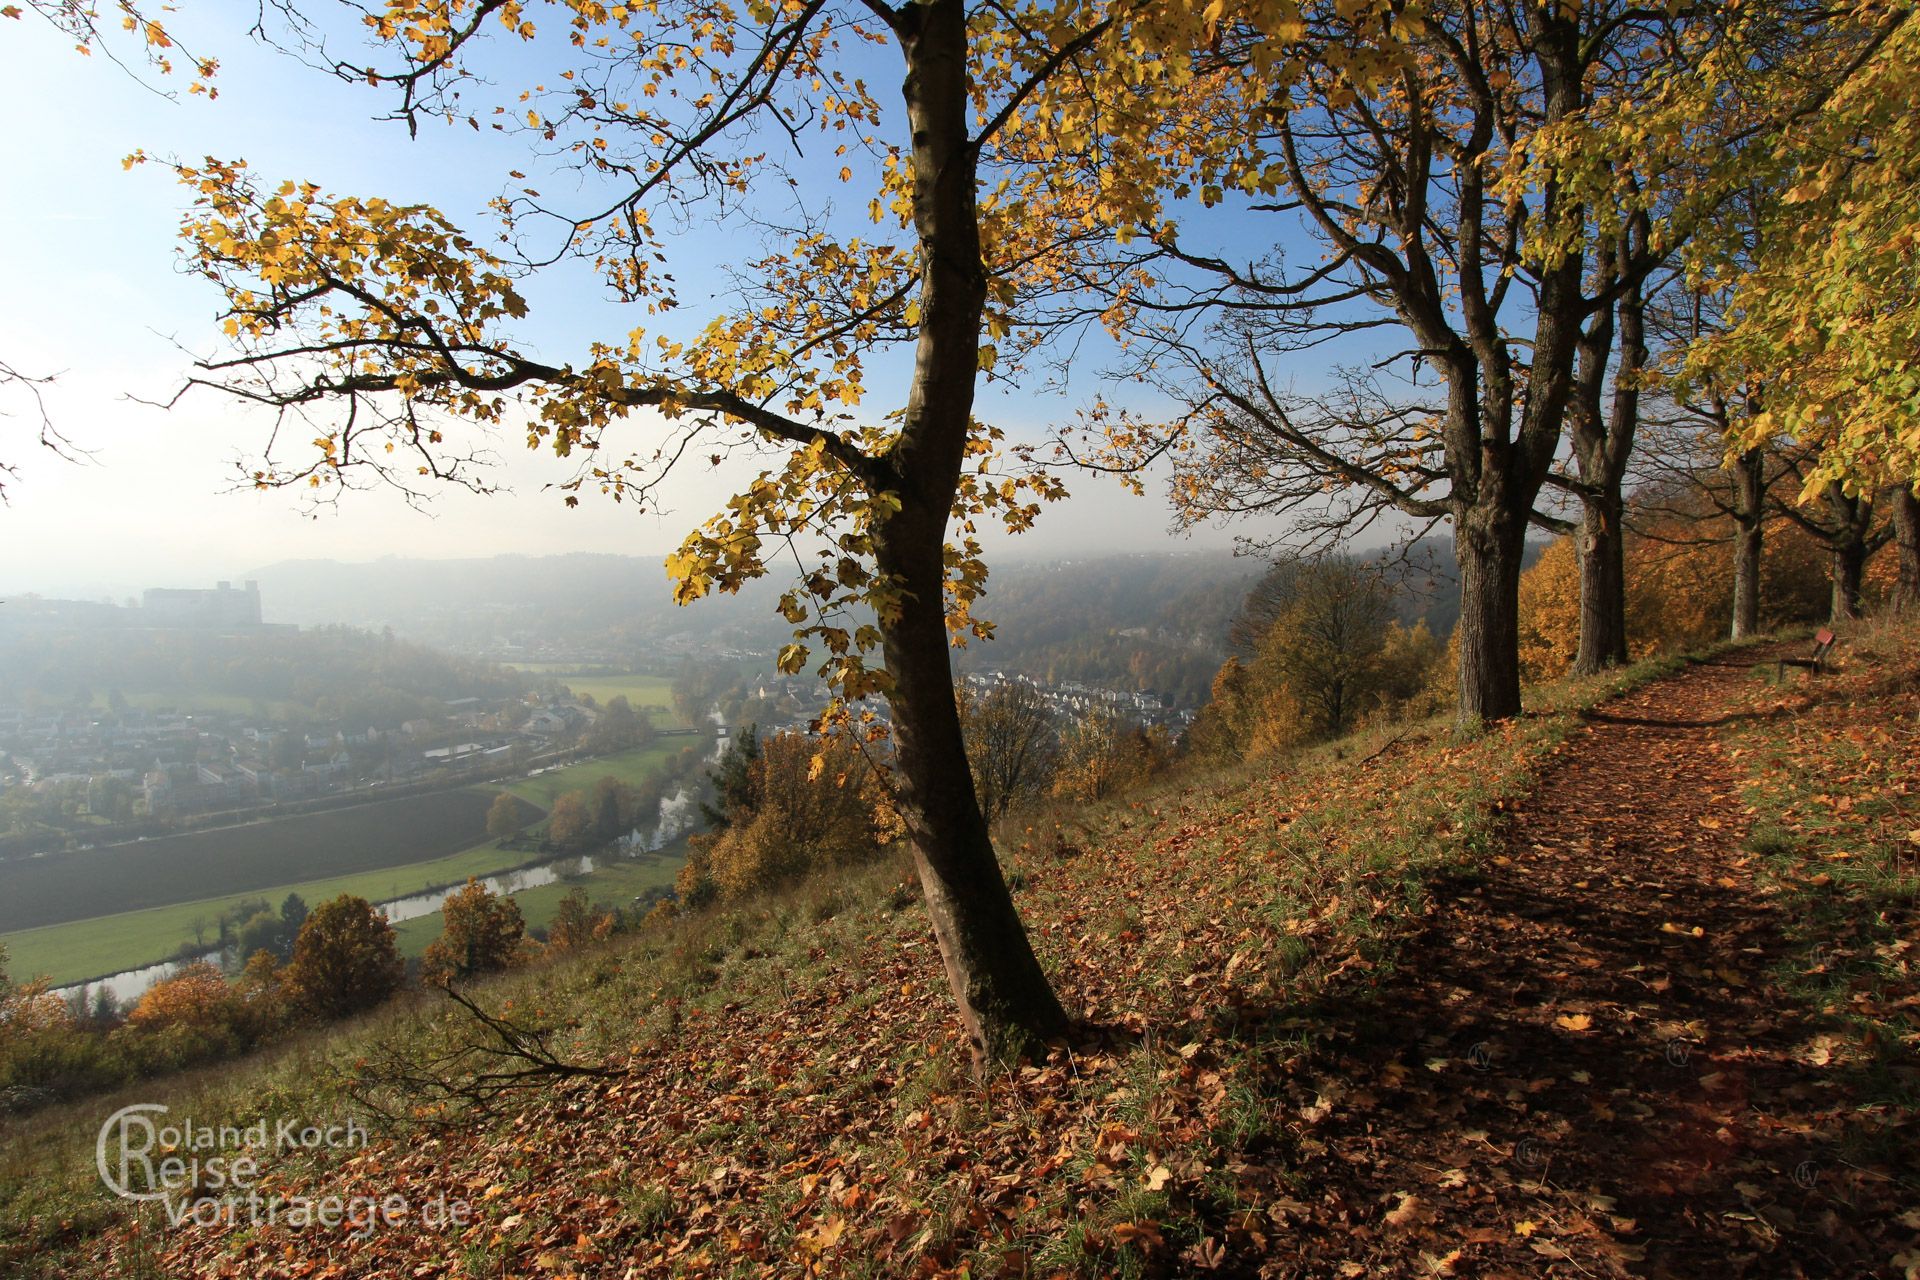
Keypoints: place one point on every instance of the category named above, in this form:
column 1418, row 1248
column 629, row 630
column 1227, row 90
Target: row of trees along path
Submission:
column 1564, row 1077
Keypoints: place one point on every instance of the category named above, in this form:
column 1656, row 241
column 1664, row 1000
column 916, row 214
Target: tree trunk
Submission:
column 1603, row 583
column 1851, row 518
column 1749, row 492
column 1906, row 532
column 1847, row 565
column 1006, row 1005
column 1602, row 447
column 1488, row 546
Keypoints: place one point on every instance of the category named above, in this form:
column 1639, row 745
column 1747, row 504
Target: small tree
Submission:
column 482, row 933
column 734, row 787
column 1326, row 644
column 1103, row 754
column 267, row 932
column 571, row 822
column 198, row 997
column 1013, row 744
column 619, row 728
column 816, row 806
column 344, row 961
column 577, row 922
column 503, row 818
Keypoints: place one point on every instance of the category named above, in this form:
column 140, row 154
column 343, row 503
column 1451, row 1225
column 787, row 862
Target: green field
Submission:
column 245, row 858
column 108, row 944
column 87, row 948
column 615, row 882
column 640, row 691
column 631, row 767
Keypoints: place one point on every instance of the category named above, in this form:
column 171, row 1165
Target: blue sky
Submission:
column 93, row 292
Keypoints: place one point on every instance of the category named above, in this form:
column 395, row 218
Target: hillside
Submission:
column 1624, row 987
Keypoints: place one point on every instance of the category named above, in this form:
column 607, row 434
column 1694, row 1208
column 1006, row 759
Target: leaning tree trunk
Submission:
column 1749, row 492
column 1007, row 1007
column 1489, row 545
column 1906, row 532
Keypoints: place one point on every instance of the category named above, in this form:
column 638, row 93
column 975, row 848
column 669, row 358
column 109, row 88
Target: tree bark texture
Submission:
column 1006, row 1004
column 1749, row 511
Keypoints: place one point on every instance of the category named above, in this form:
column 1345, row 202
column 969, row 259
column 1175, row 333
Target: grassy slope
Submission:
column 108, row 944
column 1833, row 782
column 1198, row 924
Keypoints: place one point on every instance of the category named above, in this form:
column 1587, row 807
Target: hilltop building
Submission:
column 222, row 607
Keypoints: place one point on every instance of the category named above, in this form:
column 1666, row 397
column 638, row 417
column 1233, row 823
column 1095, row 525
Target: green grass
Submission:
column 83, row 949
column 108, row 944
column 640, row 691
column 613, row 883
column 631, row 767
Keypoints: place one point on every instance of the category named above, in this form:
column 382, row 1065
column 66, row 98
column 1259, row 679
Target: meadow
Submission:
column 631, row 767
column 639, row 691
column 249, row 858
column 86, row 947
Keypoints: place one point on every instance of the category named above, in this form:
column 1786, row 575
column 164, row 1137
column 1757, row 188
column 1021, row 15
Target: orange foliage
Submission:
column 1679, row 590
column 345, row 959
column 482, row 932
column 198, row 997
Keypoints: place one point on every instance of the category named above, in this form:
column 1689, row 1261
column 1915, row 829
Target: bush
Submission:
column 578, row 922
column 818, row 804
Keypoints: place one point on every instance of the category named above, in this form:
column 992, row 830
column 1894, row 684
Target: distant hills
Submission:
column 1148, row 622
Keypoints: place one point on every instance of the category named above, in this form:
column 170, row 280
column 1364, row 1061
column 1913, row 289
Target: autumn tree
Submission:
column 1013, row 744
column 198, row 997
column 1103, row 754
column 1688, row 436
column 1389, row 142
column 1319, row 646
column 619, row 727
column 344, row 961
column 503, row 816
column 481, row 932
column 577, row 922
column 1824, row 304
column 387, row 326
column 1479, row 296
column 571, row 821
column 814, row 807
